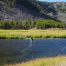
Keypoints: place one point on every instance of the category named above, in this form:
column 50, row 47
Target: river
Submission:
column 18, row 51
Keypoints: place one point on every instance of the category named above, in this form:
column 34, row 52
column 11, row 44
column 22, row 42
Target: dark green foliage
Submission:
column 30, row 4
column 33, row 5
column 28, row 24
column 17, row 24
column 9, row 3
column 42, row 24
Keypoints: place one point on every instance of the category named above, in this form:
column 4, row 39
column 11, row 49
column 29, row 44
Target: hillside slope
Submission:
column 61, row 7
column 21, row 10
column 18, row 12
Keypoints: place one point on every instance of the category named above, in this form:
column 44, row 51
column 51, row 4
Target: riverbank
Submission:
column 36, row 34
column 55, row 61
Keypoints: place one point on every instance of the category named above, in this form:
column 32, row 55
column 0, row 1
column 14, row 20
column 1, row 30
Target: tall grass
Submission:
column 23, row 34
column 56, row 61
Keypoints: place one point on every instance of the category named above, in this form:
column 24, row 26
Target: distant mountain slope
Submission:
column 23, row 10
column 61, row 7
column 55, row 10
column 20, row 11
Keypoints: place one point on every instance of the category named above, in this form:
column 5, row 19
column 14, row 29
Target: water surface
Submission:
column 18, row 51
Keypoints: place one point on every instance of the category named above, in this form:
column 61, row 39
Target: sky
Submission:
column 54, row 0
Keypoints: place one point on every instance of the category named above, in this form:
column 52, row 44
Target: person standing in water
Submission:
column 29, row 46
column 31, row 41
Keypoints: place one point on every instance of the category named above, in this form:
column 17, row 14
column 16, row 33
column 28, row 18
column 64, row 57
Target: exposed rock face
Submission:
column 61, row 7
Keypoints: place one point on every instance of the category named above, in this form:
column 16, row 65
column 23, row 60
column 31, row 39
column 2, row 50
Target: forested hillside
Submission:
column 28, row 14
column 23, row 10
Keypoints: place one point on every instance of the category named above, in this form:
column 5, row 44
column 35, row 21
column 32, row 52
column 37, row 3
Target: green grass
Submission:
column 55, row 61
column 36, row 34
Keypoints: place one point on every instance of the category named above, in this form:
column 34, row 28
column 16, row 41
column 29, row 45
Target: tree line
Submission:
column 17, row 24
column 29, row 24
column 42, row 24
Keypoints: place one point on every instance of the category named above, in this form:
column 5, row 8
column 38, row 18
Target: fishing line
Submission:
column 29, row 46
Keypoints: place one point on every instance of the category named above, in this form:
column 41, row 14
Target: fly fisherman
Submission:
column 31, row 41
column 29, row 46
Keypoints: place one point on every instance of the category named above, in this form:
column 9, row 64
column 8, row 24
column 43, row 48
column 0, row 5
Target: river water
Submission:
column 18, row 51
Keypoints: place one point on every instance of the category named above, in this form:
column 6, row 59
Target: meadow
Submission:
column 36, row 34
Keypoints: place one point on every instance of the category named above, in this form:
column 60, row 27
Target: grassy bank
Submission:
column 56, row 61
column 23, row 34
